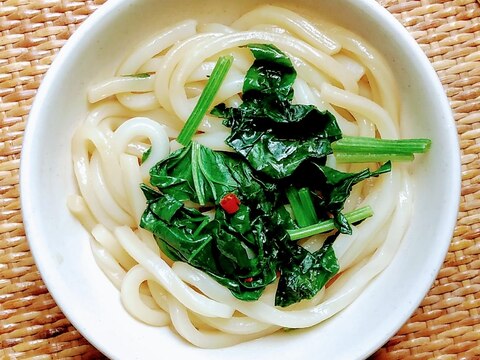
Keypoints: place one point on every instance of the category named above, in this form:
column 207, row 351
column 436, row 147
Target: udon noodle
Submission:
column 337, row 71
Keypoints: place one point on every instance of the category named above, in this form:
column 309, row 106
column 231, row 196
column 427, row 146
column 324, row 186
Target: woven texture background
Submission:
column 445, row 326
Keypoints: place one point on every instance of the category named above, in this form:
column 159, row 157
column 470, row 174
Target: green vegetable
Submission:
column 274, row 135
column 353, row 149
column 307, row 275
column 204, row 176
column 242, row 251
column 335, row 187
column 302, row 206
column 279, row 160
column 230, row 247
column 289, row 142
column 329, row 225
column 206, row 98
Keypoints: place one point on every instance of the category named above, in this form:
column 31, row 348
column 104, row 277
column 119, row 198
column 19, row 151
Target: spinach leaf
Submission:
column 279, row 145
column 271, row 73
column 337, row 185
column 204, row 176
column 306, row 274
column 274, row 135
column 302, row 273
column 242, row 251
column 230, row 247
column 180, row 229
column 332, row 188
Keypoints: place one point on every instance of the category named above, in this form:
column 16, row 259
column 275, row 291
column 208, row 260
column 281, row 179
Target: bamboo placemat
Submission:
column 445, row 326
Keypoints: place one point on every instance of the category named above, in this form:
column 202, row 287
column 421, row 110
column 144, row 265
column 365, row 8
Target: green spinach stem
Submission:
column 355, row 149
column 302, row 206
column 328, row 225
column 216, row 79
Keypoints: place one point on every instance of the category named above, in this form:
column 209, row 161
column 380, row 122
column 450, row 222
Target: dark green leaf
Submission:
column 333, row 187
column 279, row 145
column 272, row 72
column 306, row 275
column 338, row 185
column 274, row 135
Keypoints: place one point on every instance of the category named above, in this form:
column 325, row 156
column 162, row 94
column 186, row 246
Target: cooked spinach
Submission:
column 288, row 141
column 229, row 248
column 332, row 188
column 306, row 275
column 243, row 251
column 279, row 160
column 274, row 135
column 204, row 176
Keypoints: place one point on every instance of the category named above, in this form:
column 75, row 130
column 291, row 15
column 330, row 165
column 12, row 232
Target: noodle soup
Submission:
column 144, row 107
column 134, row 107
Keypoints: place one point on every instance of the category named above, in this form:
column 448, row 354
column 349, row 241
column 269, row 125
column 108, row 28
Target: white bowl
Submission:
column 60, row 245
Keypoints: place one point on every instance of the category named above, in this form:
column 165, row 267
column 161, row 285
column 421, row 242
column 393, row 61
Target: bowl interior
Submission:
column 61, row 246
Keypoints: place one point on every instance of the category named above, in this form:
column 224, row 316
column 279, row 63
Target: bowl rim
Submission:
column 34, row 122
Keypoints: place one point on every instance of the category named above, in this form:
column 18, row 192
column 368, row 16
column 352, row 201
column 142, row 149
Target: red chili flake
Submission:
column 230, row 203
column 248, row 280
column 278, row 273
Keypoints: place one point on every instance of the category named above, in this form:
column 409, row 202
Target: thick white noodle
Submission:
column 118, row 85
column 143, row 127
column 337, row 71
column 167, row 278
column 131, row 299
column 156, row 45
column 292, row 22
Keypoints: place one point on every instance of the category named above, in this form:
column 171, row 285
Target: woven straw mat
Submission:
column 445, row 326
